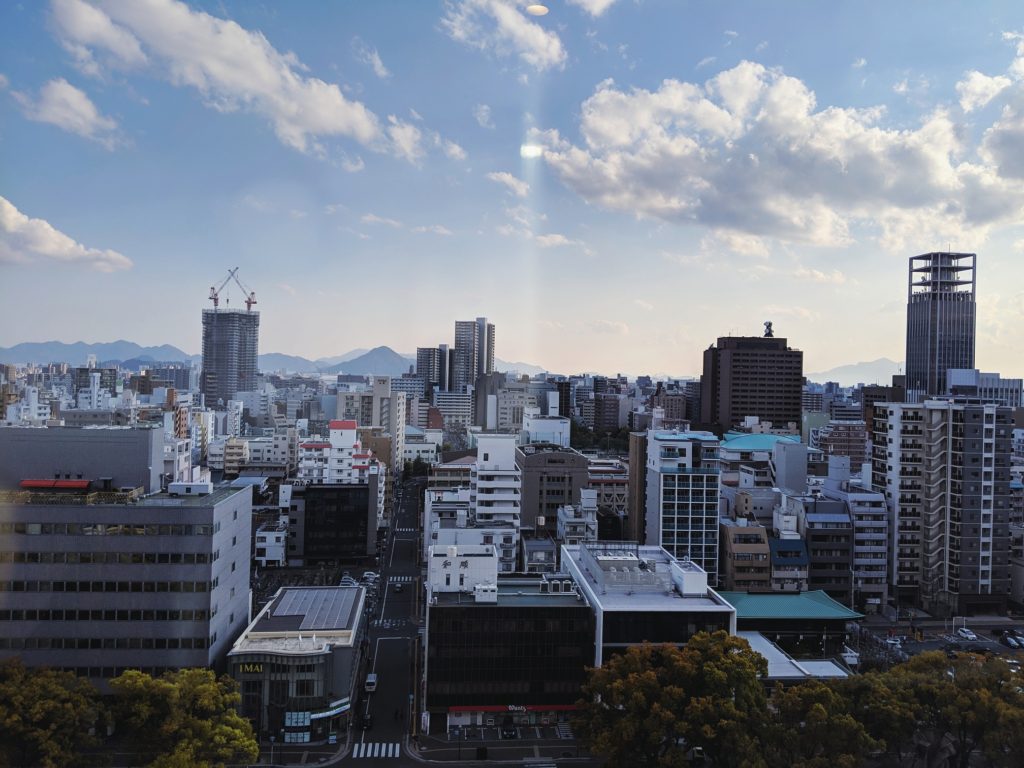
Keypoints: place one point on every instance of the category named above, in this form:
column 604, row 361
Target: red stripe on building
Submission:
column 343, row 424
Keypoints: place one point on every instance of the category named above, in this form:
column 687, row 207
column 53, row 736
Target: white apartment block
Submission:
column 456, row 408
column 682, row 496
column 578, row 523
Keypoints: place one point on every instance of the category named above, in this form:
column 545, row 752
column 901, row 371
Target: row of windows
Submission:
column 106, row 586
column 107, row 558
column 58, row 614
column 107, row 529
column 102, row 643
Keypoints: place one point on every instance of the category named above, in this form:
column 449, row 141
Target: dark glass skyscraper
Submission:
column 941, row 312
column 230, row 350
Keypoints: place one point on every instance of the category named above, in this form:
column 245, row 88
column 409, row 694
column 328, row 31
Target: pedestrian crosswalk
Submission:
column 405, row 530
column 564, row 731
column 377, row 749
column 401, row 579
column 389, row 623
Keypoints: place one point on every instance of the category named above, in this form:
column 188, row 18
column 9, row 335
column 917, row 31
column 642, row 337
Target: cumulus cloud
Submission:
column 434, row 229
column 499, row 27
column 406, row 139
column 835, row 277
column 60, row 103
column 25, row 240
column 372, row 218
column 593, row 7
column 859, row 63
column 976, row 90
column 554, row 240
column 366, row 54
column 750, row 152
column 482, row 114
column 611, row 327
column 515, row 185
column 232, row 68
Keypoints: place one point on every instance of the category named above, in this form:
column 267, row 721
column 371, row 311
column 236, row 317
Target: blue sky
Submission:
column 614, row 184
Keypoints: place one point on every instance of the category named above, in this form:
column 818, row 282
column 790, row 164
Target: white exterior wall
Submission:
column 460, row 567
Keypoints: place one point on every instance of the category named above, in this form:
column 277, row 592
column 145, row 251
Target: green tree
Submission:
column 811, row 728
column 887, row 716
column 185, row 718
column 651, row 705
column 959, row 704
column 46, row 717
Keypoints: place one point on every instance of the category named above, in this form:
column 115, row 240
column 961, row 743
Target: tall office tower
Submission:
column 751, row 376
column 944, row 466
column 428, row 365
column 473, row 354
column 941, row 313
column 682, row 496
column 230, row 351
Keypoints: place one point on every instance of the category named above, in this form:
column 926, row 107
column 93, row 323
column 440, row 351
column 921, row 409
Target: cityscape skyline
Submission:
column 471, row 160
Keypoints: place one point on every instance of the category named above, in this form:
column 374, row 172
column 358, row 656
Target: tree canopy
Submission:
column 47, row 717
column 185, row 718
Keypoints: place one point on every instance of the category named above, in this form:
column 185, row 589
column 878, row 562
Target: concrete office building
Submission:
column 642, row 594
column 990, row 387
column 102, row 582
column 745, row 560
column 682, row 496
column 751, row 376
column 297, row 664
column 552, row 477
column 847, row 438
column 941, row 310
column 330, row 522
column 111, row 457
column 944, row 467
column 230, row 353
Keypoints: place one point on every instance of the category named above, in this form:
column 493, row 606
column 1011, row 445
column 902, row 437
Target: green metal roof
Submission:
column 741, row 441
column 802, row 605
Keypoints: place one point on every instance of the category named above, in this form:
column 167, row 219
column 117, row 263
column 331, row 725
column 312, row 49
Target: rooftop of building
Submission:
column 515, row 592
column 782, row 666
column 534, row 448
column 673, row 435
column 745, row 441
column 626, row 576
column 304, row 620
column 814, row 605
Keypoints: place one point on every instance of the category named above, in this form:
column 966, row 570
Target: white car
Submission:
column 965, row 634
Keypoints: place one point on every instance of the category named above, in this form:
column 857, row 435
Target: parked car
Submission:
column 370, row 576
column 1010, row 641
column 367, row 721
column 966, row 634
column 398, row 587
column 509, row 731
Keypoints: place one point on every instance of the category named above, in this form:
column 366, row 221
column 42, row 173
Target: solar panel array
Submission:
column 320, row 608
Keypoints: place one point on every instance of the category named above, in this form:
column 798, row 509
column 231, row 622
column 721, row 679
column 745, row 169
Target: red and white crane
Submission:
column 250, row 295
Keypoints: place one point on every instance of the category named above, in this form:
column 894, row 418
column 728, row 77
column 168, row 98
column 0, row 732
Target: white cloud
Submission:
column 901, row 87
column 61, row 104
column 554, row 240
column 451, row 150
column 644, row 305
column 232, row 68
column 372, row 218
column 706, row 61
column 760, row 46
column 859, row 63
column 434, row 229
column 482, row 114
column 835, row 277
column 368, row 55
column 750, row 152
column 289, row 289
column 4, row 82
column 83, row 28
column 976, row 90
column 500, row 27
column 737, row 242
column 515, row 185
column 25, row 241
column 297, row 214
column 593, row 7
column 415, row 115
column 352, row 164
column 405, row 139
column 731, row 33
column 611, row 327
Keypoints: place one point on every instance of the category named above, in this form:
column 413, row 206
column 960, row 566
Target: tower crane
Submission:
column 250, row 295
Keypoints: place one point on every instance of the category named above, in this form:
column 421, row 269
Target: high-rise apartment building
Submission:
column 682, row 496
column 473, row 354
column 230, row 351
column 751, row 376
column 944, row 467
column 428, row 365
column 941, row 311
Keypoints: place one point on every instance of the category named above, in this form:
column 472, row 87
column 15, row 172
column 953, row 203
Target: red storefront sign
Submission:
column 513, row 708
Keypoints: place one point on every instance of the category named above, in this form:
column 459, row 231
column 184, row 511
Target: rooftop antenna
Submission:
column 768, row 332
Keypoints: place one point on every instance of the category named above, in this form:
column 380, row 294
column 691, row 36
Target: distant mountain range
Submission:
column 379, row 361
column 878, row 371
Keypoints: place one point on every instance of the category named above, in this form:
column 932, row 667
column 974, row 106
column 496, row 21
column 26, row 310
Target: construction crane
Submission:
column 250, row 295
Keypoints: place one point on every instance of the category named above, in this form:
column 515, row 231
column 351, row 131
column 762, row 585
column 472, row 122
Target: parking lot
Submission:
column 893, row 646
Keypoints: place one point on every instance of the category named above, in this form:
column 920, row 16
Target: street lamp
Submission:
column 271, row 750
